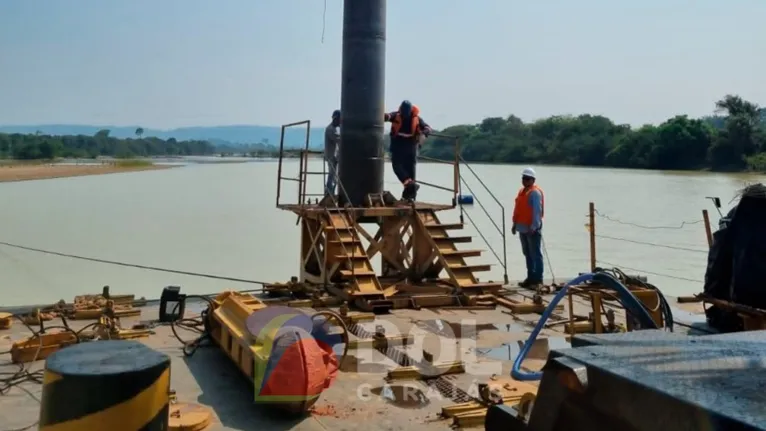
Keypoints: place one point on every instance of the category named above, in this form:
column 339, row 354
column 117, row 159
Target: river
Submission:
column 221, row 219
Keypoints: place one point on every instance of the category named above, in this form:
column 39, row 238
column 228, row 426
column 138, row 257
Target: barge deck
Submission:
column 360, row 393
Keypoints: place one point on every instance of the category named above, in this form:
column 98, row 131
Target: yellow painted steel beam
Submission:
column 472, row 406
column 381, row 342
column 350, row 318
column 429, row 371
column 470, row 419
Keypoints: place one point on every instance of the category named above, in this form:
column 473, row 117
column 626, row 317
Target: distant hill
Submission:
column 217, row 135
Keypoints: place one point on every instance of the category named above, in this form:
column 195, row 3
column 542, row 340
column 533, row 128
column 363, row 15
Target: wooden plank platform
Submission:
column 314, row 210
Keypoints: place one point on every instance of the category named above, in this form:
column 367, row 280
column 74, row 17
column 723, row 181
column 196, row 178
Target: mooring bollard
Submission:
column 106, row 385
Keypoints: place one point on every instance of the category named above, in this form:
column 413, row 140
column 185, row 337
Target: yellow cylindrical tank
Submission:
column 106, row 386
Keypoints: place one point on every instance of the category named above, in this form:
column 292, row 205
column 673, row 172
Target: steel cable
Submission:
column 132, row 265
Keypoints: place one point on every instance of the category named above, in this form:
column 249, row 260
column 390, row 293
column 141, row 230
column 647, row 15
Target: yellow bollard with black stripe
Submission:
column 106, row 386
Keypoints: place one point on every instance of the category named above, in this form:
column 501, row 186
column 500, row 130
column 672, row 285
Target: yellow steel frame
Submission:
column 594, row 323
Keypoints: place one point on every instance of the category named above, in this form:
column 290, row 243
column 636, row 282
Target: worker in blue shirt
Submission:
column 331, row 151
column 528, row 214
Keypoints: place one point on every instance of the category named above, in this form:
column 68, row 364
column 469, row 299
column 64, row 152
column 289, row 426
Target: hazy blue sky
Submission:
column 170, row 63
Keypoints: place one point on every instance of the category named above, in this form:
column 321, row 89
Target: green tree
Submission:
column 741, row 137
column 681, row 143
column 40, row 146
column 735, row 138
column 49, row 148
column 735, row 106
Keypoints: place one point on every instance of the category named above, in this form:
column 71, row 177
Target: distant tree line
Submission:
column 261, row 149
column 734, row 139
column 40, row 146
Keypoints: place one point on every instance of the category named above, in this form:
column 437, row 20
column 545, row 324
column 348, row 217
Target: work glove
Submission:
column 513, row 230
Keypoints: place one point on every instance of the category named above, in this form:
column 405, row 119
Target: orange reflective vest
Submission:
column 396, row 125
column 523, row 213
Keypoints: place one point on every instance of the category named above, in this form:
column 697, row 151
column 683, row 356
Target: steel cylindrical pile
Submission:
column 362, row 99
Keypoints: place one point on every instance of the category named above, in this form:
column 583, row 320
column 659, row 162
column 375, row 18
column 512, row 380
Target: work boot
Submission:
column 525, row 283
column 415, row 188
column 407, row 192
column 410, row 191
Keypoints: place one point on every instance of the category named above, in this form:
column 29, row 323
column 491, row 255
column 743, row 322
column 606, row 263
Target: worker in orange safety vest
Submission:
column 528, row 215
column 407, row 131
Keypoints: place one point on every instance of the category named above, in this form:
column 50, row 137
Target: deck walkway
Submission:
column 208, row 377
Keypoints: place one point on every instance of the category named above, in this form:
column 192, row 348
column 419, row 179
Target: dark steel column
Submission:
column 362, row 99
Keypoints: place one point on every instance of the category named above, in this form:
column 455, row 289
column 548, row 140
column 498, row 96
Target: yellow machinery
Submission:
column 46, row 341
column 6, row 320
column 603, row 303
column 286, row 354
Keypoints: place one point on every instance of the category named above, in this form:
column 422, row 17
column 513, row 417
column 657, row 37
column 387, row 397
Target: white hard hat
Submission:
column 528, row 172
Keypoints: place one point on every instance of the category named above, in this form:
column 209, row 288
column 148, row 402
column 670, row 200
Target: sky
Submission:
column 173, row 63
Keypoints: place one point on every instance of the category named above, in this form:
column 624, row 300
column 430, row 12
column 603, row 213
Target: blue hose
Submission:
column 633, row 306
column 516, row 372
column 631, row 303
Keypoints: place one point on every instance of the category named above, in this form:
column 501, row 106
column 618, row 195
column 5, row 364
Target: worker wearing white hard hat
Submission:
column 528, row 215
column 529, row 173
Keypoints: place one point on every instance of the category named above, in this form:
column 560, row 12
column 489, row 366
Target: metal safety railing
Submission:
column 280, row 177
column 304, row 154
column 459, row 182
column 500, row 228
column 455, row 162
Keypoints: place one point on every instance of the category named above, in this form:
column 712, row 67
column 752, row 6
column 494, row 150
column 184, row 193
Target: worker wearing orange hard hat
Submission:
column 407, row 132
column 528, row 215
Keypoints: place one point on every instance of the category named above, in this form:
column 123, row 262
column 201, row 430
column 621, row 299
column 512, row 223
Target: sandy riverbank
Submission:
column 22, row 172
